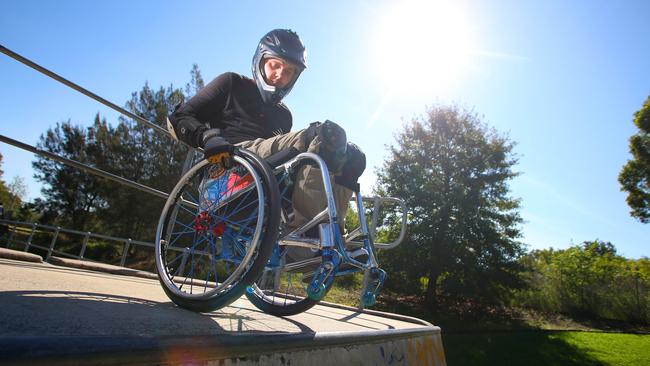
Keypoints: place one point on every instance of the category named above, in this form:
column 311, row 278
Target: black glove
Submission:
column 355, row 164
column 213, row 143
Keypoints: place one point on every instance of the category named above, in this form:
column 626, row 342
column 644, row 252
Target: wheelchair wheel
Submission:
column 216, row 232
column 283, row 292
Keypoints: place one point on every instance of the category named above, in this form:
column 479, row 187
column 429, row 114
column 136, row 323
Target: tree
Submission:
column 129, row 150
column 196, row 82
column 18, row 190
column 70, row 194
column 5, row 195
column 635, row 175
column 453, row 172
column 587, row 280
column 137, row 153
column 11, row 195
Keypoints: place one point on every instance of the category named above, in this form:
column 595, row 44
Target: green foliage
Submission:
column 5, row 196
column 453, row 173
column 588, row 280
column 635, row 175
column 18, row 189
column 346, row 290
column 70, row 194
column 78, row 200
column 11, row 195
column 137, row 153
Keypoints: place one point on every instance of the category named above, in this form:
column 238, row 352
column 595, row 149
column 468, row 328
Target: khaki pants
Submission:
column 309, row 194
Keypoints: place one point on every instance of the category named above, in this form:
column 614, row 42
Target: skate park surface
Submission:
column 95, row 314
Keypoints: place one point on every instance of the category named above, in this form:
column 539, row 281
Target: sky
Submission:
column 562, row 79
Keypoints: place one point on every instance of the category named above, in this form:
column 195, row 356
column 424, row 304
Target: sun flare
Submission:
column 420, row 46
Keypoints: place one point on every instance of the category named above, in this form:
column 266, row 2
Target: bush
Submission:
column 589, row 280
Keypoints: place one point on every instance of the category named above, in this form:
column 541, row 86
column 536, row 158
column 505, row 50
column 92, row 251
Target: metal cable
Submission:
column 84, row 167
column 80, row 89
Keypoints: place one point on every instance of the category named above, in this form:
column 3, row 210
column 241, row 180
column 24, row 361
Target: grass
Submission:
column 346, row 290
column 516, row 336
column 547, row 348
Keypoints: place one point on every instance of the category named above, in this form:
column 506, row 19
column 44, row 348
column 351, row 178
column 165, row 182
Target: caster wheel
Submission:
column 369, row 299
column 317, row 294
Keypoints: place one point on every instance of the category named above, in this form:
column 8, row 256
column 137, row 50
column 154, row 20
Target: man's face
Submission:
column 278, row 72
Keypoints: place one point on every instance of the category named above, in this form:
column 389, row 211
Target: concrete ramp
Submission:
column 54, row 315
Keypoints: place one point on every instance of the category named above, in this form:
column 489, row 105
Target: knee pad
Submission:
column 354, row 166
column 333, row 143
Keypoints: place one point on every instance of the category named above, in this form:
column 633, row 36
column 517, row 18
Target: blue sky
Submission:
column 562, row 79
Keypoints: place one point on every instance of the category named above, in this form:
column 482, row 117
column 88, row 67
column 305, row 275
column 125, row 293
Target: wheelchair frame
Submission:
column 330, row 236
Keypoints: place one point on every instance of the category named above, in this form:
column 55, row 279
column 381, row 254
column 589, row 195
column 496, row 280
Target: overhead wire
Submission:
column 83, row 167
column 73, row 163
column 82, row 90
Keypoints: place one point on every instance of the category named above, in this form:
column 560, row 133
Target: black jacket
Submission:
column 232, row 103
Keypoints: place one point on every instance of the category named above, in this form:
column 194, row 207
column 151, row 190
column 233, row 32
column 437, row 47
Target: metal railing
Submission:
column 29, row 230
column 32, row 228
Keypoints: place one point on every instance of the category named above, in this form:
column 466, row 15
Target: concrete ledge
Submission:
column 404, row 318
column 67, row 316
column 20, row 256
column 101, row 267
column 418, row 346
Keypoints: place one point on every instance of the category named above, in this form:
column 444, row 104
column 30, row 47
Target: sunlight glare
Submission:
column 420, row 46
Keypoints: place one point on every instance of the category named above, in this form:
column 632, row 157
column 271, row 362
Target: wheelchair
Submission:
column 224, row 232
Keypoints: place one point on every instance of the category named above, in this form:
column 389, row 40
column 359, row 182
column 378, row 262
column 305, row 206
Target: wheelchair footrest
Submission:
column 324, row 275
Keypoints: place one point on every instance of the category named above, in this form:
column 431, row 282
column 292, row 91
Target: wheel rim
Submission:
column 282, row 288
column 210, row 229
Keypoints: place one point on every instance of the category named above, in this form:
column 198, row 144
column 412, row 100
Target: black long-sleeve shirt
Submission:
column 232, row 103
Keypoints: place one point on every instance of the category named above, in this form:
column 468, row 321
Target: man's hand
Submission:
column 215, row 148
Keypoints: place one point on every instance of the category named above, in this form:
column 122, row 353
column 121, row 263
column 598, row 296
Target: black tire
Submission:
column 213, row 226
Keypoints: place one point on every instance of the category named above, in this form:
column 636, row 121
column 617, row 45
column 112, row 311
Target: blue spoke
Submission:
column 189, row 230
column 178, row 235
column 169, row 264
column 231, row 190
column 193, row 199
column 213, row 248
column 242, row 199
column 192, row 267
column 191, row 274
column 244, row 226
column 223, row 181
column 241, row 223
column 244, row 222
column 239, row 209
column 186, row 209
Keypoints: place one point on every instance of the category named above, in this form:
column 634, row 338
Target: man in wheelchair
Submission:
column 234, row 110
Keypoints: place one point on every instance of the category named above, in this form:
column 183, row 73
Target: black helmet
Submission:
column 284, row 44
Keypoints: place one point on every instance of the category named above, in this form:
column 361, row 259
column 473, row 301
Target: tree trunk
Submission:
column 431, row 297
